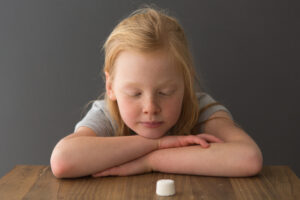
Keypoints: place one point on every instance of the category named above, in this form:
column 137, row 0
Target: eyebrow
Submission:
column 162, row 84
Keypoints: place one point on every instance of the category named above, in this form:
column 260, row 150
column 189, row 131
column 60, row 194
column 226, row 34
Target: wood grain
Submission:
column 38, row 182
column 18, row 182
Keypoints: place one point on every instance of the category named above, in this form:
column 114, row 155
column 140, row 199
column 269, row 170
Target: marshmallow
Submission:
column 165, row 187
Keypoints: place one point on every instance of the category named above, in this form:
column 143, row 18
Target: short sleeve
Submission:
column 206, row 101
column 98, row 119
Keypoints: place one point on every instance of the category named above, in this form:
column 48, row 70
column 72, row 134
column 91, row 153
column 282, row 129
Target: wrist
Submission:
column 149, row 143
column 158, row 143
column 150, row 160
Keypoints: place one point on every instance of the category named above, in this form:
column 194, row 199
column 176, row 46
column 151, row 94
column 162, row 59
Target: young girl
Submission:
column 152, row 118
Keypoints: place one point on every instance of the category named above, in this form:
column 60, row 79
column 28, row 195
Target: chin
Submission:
column 151, row 136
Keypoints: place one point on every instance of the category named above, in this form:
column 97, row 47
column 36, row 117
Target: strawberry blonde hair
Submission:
column 145, row 30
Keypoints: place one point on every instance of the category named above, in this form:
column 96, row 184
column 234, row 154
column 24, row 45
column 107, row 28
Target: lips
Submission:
column 155, row 124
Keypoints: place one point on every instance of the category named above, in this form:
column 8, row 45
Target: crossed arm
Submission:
column 224, row 150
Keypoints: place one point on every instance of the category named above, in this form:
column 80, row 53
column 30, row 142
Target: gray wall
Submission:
column 50, row 64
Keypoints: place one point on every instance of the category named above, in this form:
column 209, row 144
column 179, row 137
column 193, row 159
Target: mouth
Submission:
column 154, row 124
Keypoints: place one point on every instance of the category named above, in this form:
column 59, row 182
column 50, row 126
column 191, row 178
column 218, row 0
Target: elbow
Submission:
column 252, row 162
column 58, row 166
column 59, row 163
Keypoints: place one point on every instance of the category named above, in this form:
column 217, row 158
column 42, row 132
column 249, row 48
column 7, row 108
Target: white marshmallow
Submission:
column 165, row 187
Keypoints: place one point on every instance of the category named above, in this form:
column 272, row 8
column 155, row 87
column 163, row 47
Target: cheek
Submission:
column 128, row 110
column 173, row 109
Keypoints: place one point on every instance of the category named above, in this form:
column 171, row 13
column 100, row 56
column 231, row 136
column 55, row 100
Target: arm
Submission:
column 237, row 156
column 83, row 153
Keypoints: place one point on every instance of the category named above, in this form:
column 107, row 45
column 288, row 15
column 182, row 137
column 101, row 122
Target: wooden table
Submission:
column 38, row 182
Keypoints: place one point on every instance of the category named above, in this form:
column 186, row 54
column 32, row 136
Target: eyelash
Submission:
column 160, row 93
column 137, row 94
column 163, row 93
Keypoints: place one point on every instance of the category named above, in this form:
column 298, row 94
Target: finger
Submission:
column 210, row 138
column 198, row 140
column 99, row 174
column 203, row 143
column 106, row 172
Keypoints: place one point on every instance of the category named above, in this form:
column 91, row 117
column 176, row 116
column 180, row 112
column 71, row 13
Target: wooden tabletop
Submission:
column 38, row 182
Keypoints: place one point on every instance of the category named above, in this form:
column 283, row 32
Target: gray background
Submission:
column 50, row 63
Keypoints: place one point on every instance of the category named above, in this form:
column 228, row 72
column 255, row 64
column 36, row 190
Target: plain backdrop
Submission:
column 246, row 53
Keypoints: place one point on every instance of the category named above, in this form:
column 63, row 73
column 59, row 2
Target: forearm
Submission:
column 80, row 156
column 220, row 159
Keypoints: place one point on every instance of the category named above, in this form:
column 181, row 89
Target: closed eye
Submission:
column 165, row 93
column 136, row 94
column 162, row 93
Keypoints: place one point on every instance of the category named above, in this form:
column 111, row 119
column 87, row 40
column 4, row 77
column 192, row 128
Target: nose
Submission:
column 151, row 106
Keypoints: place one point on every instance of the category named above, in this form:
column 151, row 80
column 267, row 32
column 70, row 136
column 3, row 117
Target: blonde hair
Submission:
column 146, row 30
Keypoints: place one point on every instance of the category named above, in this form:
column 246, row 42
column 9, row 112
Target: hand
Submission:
column 202, row 139
column 138, row 166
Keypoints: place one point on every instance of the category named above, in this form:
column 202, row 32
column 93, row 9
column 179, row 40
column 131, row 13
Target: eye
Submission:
column 165, row 93
column 134, row 94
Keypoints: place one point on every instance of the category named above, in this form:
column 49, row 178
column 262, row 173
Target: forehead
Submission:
column 158, row 66
column 155, row 58
column 157, row 61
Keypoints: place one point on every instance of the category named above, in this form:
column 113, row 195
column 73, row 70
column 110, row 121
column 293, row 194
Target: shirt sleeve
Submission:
column 206, row 100
column 98, row 119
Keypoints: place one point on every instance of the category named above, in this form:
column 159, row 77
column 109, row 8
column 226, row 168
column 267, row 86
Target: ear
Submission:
column 109, row 88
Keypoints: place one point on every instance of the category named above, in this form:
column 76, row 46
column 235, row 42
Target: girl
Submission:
column 152, row 118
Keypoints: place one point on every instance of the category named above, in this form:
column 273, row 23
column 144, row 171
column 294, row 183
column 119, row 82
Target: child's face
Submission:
column 149, row 91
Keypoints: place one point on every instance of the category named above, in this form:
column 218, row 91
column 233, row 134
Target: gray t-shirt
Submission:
column 100, row 121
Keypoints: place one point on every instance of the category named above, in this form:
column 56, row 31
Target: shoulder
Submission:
column 208, row 106
column 99, row 105
column 208, row 109
column 205, row 99
column 100, row 109
column 98, row 118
